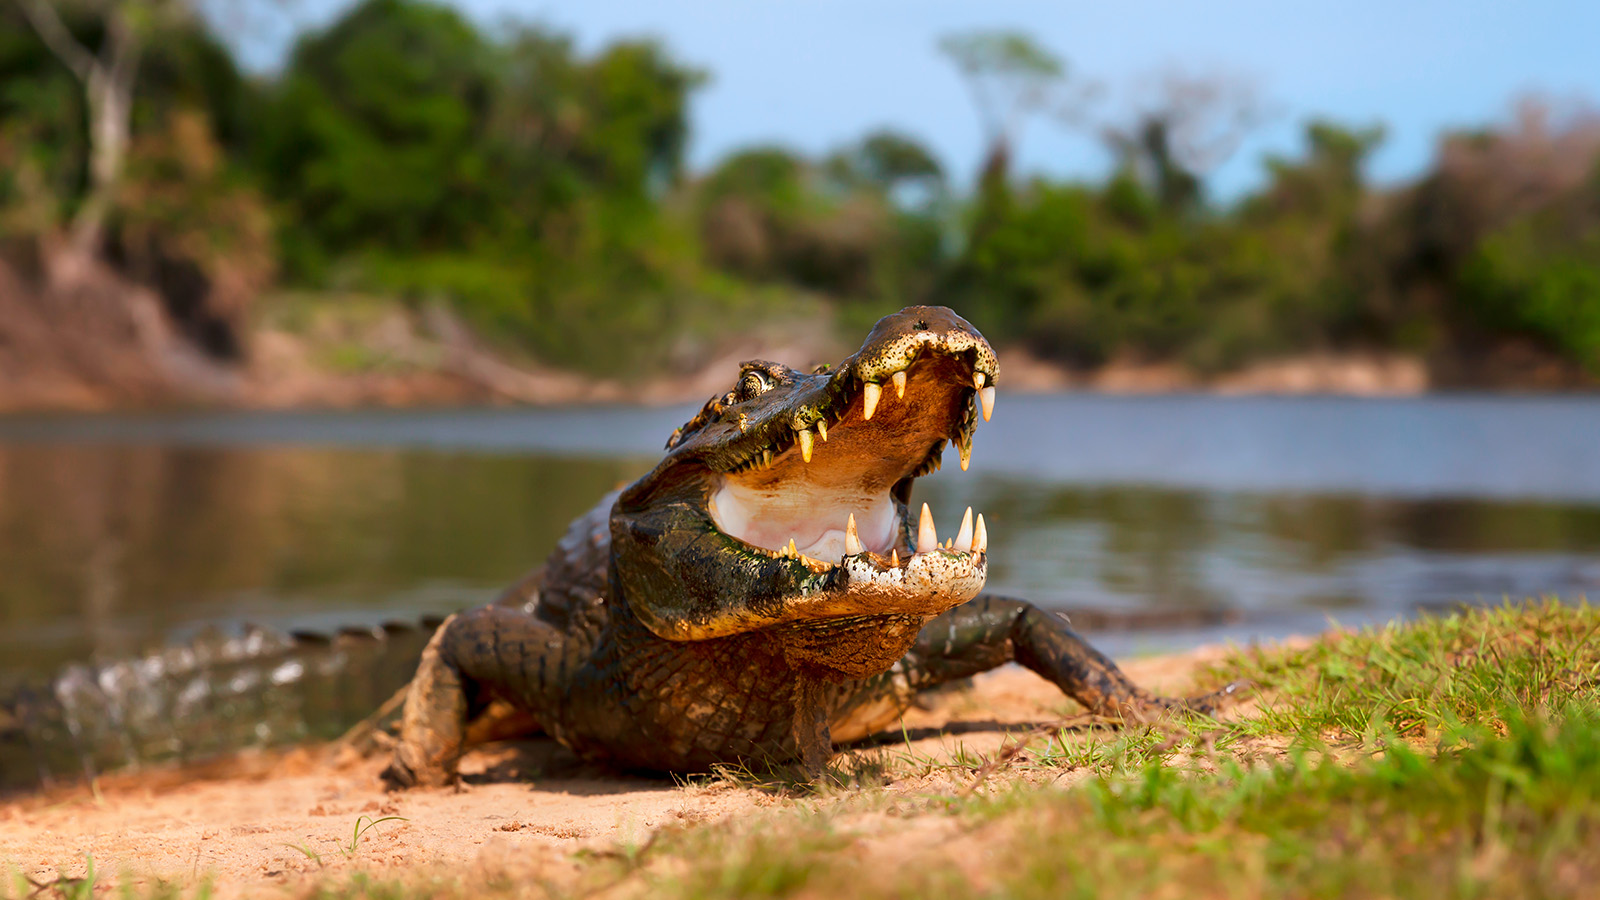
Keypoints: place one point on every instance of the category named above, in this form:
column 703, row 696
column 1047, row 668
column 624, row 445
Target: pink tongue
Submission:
column 815, row 523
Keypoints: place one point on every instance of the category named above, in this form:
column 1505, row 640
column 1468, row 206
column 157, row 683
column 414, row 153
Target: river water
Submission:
column 1252, row 517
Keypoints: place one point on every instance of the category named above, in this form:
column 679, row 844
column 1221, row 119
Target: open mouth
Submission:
column 830, row 489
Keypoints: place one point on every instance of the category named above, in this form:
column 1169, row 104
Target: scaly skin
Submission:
column 215, row 694
column 670, row 630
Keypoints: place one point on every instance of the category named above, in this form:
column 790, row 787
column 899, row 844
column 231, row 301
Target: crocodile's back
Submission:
column 569, row 590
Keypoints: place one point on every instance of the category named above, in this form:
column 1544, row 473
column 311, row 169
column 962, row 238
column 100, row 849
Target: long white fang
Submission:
column 986, row 397
column 766, row 457
column 805, row 444
column 978, row 378
column 964, row 536
column 852, row 541
column 870, row 392
column 966, row 455
column 894, row 559
column 927, row 538
column 791, row 551
column 822, row 430
column 899, row 379
column 980, row 538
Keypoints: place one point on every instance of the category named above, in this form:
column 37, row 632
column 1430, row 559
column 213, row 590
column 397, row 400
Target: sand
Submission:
column 269, row 823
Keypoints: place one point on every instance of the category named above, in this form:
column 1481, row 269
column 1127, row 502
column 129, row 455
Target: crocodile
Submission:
column 765, row 592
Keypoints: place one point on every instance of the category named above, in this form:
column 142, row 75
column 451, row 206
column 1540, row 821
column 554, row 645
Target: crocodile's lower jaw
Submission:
column 925, row 584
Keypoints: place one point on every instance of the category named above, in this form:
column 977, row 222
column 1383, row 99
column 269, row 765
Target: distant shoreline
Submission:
column 480, row 379
column 385, row 355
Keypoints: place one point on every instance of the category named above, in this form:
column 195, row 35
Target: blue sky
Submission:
column 814, row 74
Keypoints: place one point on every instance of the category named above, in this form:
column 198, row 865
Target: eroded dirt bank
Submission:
column 274, row 824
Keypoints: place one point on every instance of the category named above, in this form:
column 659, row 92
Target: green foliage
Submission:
column 1084, row 275
column 374, row 137
column 886, row 160
column 512, row 178
column 1535, row 277
column 1002, row 54
column 43, row 140
column 541, row 191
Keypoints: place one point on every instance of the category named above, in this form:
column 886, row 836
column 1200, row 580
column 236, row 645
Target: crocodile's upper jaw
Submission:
column 817, row 468
column 852, row 474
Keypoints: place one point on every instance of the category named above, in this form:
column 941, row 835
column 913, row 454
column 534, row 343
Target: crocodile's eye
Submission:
column 752, row 383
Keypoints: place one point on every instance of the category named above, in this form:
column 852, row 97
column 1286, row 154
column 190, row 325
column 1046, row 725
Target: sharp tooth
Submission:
column 980, row 538
column 822, row 430
column 790, row 551
column 927, row 538
column 966, row 455
column 964, row 536
column 986, row 396
column 852, row 541
column 899, row 379
column 978, row 378
column 766, row 457
column 805, row 444
column 894, row 559
column 870, row 392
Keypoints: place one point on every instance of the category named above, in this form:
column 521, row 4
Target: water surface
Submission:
column 1267, row 515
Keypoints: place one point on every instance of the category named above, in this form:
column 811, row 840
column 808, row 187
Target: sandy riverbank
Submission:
column 271, row 824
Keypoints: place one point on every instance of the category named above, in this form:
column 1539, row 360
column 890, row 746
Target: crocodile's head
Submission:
column 787, row 499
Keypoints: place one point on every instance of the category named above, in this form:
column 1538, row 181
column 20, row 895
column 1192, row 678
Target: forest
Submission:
column 542, row 195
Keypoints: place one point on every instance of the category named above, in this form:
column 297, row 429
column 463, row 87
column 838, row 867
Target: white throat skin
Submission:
column 812, row 515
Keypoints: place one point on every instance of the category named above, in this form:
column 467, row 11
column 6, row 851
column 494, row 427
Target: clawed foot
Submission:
column 1148, row 706
column 400, row 776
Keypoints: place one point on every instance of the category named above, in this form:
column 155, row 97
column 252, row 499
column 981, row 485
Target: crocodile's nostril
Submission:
column 921, row 325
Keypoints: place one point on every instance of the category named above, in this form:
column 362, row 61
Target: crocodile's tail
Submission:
column 217, row 694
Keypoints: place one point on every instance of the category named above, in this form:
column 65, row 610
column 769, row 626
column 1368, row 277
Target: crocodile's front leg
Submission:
column 987, row 633
column 489, row 653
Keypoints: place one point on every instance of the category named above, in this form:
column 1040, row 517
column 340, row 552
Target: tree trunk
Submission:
column 109, row 91
column 107, row 78
column 110, row 102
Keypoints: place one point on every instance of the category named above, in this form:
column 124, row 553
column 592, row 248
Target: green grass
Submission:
column 1422, row 679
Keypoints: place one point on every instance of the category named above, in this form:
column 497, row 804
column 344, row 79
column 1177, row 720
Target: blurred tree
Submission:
column 1329, row 182
column 1490, row 243
column 1531, row 241
column 1011, row 78
column 146, row 192
column 107, row 74
column 42, row 106
column 752, row 205
column 542, row 192
column 1186, row 126
column 888, row 161
column 376, row 134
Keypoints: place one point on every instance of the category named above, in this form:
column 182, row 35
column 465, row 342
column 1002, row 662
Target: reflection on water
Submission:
column 117, row 534
column 108, row 550
column 1264, row 554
